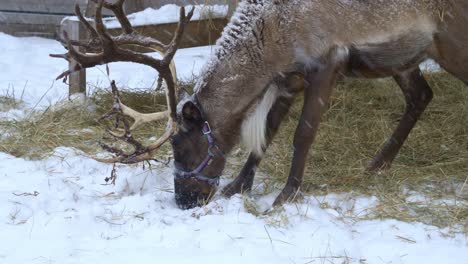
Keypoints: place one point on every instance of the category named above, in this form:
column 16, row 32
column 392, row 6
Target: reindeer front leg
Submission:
column 244, row 181
column 292, row 84
column 316, row 96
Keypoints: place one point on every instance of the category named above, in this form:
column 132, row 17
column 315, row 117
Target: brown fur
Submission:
column 269, row 41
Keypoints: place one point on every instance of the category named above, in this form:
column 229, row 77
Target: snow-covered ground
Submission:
column 57, row 210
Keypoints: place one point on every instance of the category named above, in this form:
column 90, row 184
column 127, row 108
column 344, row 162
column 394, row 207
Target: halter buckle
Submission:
column 206, row 128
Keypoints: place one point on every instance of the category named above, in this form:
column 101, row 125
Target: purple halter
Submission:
column 196, row 173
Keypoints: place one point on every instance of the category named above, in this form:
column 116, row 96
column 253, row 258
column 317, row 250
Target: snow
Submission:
column 29, row 73
column 166, row 14
column 59, row 210
column 170, row 14
column 76, row 219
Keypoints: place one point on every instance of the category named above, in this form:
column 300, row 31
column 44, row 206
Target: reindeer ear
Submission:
column 191, row 112
column 182, row 94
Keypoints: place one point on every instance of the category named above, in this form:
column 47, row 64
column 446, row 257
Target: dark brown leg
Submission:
column 418, row 94
column 316, row 96
column 244, row 181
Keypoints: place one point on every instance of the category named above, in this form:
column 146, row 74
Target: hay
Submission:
column 433, row 162
column 75, row 125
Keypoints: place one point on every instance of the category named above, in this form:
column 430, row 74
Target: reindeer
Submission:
column 274, row 50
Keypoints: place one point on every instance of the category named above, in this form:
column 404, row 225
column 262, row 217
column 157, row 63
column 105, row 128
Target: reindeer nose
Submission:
column 189, row 200
column 189, row 195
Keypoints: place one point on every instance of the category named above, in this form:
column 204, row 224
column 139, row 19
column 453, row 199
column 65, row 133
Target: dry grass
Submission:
column 74, row 125
column 7, row 103
column 10, row 100
column 433, row 163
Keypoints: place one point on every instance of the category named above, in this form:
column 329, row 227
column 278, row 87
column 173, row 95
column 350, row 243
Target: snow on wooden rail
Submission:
column 170, row 14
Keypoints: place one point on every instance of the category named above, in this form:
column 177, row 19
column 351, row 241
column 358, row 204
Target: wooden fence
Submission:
column 43, row 17
column 35, row 17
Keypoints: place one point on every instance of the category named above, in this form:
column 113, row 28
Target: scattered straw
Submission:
column 432, row 165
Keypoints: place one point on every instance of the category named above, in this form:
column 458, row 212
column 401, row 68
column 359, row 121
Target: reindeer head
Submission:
column 198, row 162
column 186, row 129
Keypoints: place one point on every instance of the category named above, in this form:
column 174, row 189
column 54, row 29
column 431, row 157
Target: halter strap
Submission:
column 196, row 173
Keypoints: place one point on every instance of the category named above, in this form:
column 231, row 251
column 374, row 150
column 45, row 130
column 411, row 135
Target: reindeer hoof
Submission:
column 288, row 194
column 377, row 165
column 238, row 185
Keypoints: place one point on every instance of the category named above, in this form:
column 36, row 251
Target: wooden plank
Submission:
column 48, row 25
column 24, row 30
column 42, row 6
column 135, row 6
column 30, row 19
column 232, row 5
column 30, row 24
column 37, row 24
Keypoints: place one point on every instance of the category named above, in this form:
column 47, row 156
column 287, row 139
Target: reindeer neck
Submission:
column 238, row 73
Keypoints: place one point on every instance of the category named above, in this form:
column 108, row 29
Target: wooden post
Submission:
column 232, row 5
column 76, row 80
column 134, row 6
column 90, row 9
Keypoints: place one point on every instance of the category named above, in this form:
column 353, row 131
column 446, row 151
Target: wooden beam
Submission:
column 232, row 5
column 41, row 6
column 134, row 6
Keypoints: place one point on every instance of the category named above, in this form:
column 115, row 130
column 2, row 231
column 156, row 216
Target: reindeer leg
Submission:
column 244, row 181
column 316, row 96
column 293, row 83
column 418, row 94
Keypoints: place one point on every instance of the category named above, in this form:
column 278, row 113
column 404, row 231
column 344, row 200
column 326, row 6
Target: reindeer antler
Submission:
column 141, row 152
column 102, row 48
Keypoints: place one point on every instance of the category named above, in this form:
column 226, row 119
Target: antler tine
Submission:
column 116, row 105
column 65, row 56
column 129, row 139
column 101, row 28
column 111, row 52
column 118, row 9
column 167, row 61
column 83, row 60
column 94, row 42
column 92, row 32
column 129, row 35
column 139, row 118
column 174, row 45
column 137, row 156
column 140, row 153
